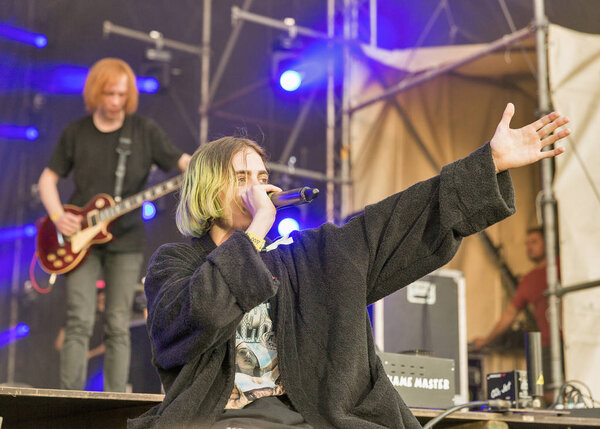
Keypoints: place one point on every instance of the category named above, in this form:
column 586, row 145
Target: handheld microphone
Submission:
column 293, row 197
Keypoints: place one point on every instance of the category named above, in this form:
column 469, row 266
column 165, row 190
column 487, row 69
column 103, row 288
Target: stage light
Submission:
column 148, row 85
column 30, row 230
column 290, row 80
column 297, row 67
column 60, row 79
column 10, row 234
column 96, row 382
column 16, row 132
column 13, row 334
column 22, row 330
column 148, row 210
column 287, row 225
column 70, row 79
column 23, row 36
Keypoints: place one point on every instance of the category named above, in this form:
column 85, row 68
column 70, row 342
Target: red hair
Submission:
column 108, row 71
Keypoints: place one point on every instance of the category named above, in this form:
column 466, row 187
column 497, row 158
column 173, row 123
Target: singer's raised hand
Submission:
column 518, row 147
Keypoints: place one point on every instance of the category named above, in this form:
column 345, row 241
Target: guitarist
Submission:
column 88, row 149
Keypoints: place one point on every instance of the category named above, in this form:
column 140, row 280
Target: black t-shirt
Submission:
column 92, row 157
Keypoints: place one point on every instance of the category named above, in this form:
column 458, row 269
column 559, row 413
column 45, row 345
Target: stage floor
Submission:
column 26, row 408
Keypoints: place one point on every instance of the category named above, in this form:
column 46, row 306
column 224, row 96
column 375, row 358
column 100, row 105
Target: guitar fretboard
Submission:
column 135, row 201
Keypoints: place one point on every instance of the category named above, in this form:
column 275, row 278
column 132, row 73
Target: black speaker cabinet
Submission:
column 427, row 318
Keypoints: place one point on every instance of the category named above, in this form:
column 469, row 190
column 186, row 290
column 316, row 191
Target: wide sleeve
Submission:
column 409, row 234
column 196, row 301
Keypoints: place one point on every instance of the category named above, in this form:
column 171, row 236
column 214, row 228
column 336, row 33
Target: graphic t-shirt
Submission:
column 256, row 365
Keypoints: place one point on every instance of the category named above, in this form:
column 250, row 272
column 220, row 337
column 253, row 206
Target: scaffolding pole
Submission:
column 285, row 25
column 154, row 38
column 205, row 76
column 330, row 131
column 349, row 34
column 548, row 203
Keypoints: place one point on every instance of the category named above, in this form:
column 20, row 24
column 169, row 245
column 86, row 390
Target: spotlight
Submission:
column 13, row 233
column 290, row 80
column 148, row 210
column 70, row 79
column 287, row 225
column 13, row 334
column 22, row 330
column 285, row 56
column 16, row 132
column 148, row 85
column 29, row 230
column 23, row 36
column 298, row 67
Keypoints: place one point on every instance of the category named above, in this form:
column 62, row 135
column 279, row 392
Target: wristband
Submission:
column 54, row 216
column 258, row 242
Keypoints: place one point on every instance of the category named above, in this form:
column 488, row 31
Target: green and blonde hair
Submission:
column 208, row 178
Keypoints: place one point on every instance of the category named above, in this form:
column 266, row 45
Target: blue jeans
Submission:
column 121, row 274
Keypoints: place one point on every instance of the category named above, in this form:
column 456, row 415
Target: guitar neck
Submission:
column 135, row 201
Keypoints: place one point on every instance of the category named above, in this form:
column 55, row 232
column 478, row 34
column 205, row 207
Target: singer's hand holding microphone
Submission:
column 263, row 200
column 257, row 201
column 253, row 196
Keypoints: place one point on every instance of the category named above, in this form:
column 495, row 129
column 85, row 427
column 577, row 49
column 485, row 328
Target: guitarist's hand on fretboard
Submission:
column 68, row 223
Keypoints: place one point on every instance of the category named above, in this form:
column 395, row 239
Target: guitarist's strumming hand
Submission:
column 68, row 223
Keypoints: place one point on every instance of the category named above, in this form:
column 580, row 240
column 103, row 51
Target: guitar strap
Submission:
column 123, row 149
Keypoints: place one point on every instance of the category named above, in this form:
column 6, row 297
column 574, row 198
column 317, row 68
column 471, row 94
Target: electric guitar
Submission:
column 59, row 254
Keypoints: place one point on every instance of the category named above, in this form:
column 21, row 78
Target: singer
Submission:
column 279, row 337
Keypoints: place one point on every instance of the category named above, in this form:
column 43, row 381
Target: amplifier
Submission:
column 422, row 381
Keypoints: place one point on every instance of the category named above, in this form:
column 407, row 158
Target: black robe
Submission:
column 319, row 288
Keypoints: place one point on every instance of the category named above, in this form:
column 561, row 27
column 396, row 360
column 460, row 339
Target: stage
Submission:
column 25, row 408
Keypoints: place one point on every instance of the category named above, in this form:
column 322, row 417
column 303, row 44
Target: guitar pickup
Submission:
column 92, row 220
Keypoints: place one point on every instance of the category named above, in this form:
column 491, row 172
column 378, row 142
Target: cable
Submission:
column 34, row 283
column 496, row 403
column 570, row 394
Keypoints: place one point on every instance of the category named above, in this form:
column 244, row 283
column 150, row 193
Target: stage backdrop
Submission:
column 451, row 116
column 574, row 60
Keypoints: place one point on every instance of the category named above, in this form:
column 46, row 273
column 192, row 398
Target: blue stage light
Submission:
column 22, row 330
column 287, row 225
column 60, row 79
column 10, row 234
column 148, row 85
column 290, row 80
column 148, row 210
column 16, row 132
column 13, row 334
column 23, row 36
column 95, row 383
column 70, row 79
column 40, row 41
column 29, row 230
column 31, row 133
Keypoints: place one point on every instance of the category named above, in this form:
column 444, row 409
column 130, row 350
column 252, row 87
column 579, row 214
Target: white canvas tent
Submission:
column 409, row 136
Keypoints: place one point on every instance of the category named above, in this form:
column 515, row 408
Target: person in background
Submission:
column 88, row 149
column 529, row 292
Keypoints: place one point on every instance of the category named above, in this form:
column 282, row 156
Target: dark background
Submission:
column 74, row 32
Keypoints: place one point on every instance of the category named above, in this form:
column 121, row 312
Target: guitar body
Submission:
column 60, row 254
